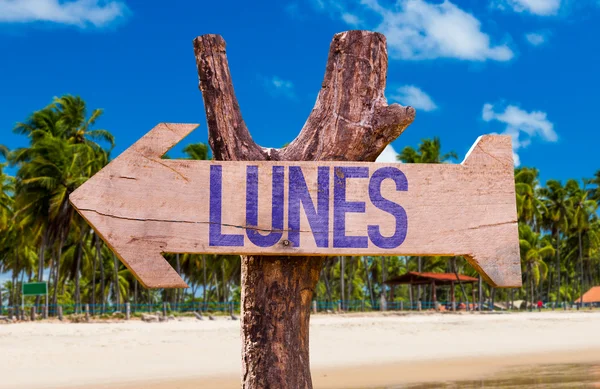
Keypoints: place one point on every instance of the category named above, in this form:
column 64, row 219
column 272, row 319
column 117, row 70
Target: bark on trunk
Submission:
column 351, row 121
column 95, row 261
column 558, row 297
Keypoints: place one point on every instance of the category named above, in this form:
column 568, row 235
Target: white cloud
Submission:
column 79, row 12
column 536, row 7
column 351, row 19
column 415, row 97
column 536, row 38
column 278, row 87
column 521, row 125
column 420, row 30
column 388, row 155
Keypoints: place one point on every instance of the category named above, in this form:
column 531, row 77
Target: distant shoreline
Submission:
column 347, row 351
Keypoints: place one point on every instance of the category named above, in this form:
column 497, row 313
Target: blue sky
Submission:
column 528, row 68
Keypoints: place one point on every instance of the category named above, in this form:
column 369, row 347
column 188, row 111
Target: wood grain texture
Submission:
column 350, row 121
column 143, row 206
column 150, row 206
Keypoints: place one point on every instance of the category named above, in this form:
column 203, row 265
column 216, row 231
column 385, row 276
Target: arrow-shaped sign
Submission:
column 143, row 206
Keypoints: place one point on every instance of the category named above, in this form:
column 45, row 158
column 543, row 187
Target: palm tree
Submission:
column 428, row 151
column 61, row 156
column 533, row 251
column 556, row 218
column 529, row 205
column 583, row 213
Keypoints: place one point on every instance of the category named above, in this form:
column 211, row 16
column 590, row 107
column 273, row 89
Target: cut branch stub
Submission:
column 351, row 120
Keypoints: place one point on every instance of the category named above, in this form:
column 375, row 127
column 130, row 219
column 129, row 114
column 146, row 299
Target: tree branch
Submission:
column 229, row 137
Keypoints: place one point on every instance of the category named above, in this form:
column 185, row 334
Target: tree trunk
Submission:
column 116, row 282
column 102, row 277
column 460, row 284
column 580, row 272
column 369, row 283
column 56, row 266
column 324, row 270
column 41, row 262
column 350, row 278
column 204, row 280
column 177, row 291
column 95, row 262
column 342, row 273
column 419, row 269
column 135, row 294
column 351, row 121
column 558, row 298
column 480, row 285
column 383, row 275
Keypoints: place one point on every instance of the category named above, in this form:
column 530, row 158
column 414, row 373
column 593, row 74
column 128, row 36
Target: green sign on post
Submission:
column 35, row 289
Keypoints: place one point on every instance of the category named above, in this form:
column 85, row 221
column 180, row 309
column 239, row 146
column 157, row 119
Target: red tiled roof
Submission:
column 591, row 296
column 427, row 278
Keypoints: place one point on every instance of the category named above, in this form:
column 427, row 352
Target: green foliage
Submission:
column 42, row 238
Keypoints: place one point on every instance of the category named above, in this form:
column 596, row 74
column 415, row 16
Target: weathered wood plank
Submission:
column 142, row 206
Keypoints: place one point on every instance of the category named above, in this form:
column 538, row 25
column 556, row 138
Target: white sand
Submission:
column 45, row 355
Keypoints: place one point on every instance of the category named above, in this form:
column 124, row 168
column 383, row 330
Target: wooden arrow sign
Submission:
column 143, row 206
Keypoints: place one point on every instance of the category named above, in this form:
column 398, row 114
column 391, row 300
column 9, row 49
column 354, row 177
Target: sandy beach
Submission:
column 347, row 351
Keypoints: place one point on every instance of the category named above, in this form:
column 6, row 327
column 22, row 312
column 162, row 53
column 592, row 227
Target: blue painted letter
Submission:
column 341, row 207
column 252, row 207
column 318, row 219
column 388, row 206
column 215, row 237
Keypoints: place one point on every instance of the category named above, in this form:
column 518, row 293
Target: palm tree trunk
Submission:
column 460, row 284
column 383, row 275
column 116, row 282
column 82, row 238
column 204, row 280
column 350, row 278
column 178, row 291
column 342, row 272
column 580, row 272
column 326, row 280
column 102, row 278
column 419, row 269
column 135, row 293
column 41, row 262
column 558, row 298
column 94, row 264
column 56, row 271
column 369, row 283
column 531, row 286
column 480, row 287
